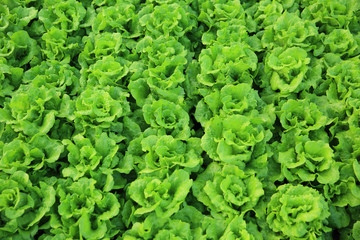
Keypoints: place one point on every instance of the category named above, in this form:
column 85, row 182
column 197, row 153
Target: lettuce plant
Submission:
column 227, row 190
column 160, row 196
column 235, row 139
column 298, row 212
column 168, row 118
column 179, row 119
column 308, row 160
column 23, row 205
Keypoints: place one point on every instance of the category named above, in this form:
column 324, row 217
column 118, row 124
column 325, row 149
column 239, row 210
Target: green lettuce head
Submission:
column 20, row 15
column 221, row 65
column 287, row 69
column 4, row 19
column 167, row 152
column 345, row 192
column 67, row 16
column 227, row 189
column 22, row 205
column 54, row 74
column 34, row 154
column 214, row 11
column 267, row 12
column 26, row 49
column 346, row 75
column 7, row 46
column 301, row 116
column 99, row 160
column 57, row 45
column 97, row 46
column 122, row 18
column 163, row 75
column 235, row 139
column 168, row 118
column 331, row 14
column 234, row 99
column 342, row 42
column 288, row 31
column 159, row 229
column 239, row 229
column 309, row 160
column 10, row 78
column 298, row 212
column 162, row 196
column 85, row 210
column 32, row 110
column 101, row 107
column 187, row 223
column 107, row 71
column 172, row 19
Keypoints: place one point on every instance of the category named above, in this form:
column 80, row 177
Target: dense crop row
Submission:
column 189, row 119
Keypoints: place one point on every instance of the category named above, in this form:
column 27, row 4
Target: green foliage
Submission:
column 297, row 212
column 188, row 119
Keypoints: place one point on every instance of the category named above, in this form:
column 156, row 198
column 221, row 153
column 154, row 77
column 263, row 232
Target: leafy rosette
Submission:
column 239, row 229
column 342, row 42
column 10, row 78
column 100, row 161
column 348, row 146
column 162, row 196
column 98, row 46
column 234, row 99
column 157, row 228
column 4, row 19
column 290, row 30
column 85, row 211
column 175, row 229
column 289, row 71
column 168, row 118
column 35, row 154
column 166, row 153
column 221, row 65
column 6, row 45
column 214, row 11
column 298, row 212
column 58, row 46
column 346, row 192
column 175, row 19
column 354, row 123
column 229, row 32
column 330, row 102
column 227, row 190
column 54, row 74
column 108, row 71
column 163, row 53
column 25, row 50
column 122, row 18
column 306, row 160
column 101, row 107
column 236, row 139
column 16, row 16
column 32, row 110
column 67, row 16
column 23, row 205
column 164, row 74
column 347, row 151
column 267, row 12
column 190, row 224
column 301, row 116
column 346, row 76
column 187, row 223
column 331, row 14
